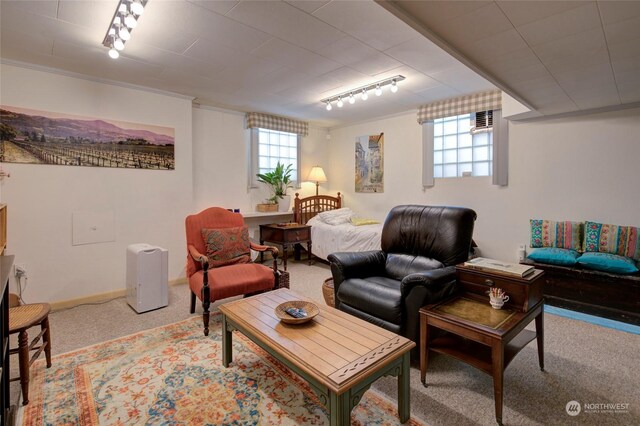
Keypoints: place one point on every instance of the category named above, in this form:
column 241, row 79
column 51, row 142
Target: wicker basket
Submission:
column 311, row 309
column 327, row 292
column 267, row 207
column 284, row 279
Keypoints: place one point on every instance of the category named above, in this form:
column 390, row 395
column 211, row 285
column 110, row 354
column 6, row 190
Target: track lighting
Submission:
column 130, row 21
column 124, row 20
column 364, row 91
column 118, row 44
column 124, row 33
column 113, row 53
column 137, row 7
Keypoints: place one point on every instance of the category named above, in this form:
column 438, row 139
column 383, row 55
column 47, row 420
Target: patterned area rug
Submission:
column 173, row 375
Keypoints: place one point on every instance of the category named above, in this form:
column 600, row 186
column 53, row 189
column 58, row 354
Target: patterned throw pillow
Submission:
column 565, row 235
column 621, row 240
column 227, row 246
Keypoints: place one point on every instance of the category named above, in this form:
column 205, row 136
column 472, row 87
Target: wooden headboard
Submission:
column 306, row 208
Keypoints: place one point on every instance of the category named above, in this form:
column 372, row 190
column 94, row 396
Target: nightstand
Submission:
column 286, row 235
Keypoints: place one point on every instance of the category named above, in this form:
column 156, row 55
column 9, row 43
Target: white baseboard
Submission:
column 101, row 297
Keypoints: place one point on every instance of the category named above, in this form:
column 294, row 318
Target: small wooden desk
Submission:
column 338, row 354
column 286, row 235
column 483, row 337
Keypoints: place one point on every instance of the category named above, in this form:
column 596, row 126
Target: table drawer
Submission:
column 298, row 234
column 272, row 234
column 523, row 294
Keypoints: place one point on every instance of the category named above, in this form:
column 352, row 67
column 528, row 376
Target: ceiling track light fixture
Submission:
column 124, row 20
column 364, row 91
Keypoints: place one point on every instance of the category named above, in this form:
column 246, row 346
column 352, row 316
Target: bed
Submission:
column 338, row 235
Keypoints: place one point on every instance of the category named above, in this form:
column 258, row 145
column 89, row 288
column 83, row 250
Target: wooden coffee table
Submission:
column 339, row 355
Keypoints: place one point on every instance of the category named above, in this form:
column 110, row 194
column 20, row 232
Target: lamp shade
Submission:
column 317, row 175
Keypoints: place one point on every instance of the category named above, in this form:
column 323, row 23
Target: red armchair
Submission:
column 210, row 281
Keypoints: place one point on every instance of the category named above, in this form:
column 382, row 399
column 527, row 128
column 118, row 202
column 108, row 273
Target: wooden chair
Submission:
column 22, row 318
column 210, row 282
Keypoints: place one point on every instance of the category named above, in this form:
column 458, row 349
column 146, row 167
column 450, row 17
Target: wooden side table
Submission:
column 286, row 235
column 483, row 337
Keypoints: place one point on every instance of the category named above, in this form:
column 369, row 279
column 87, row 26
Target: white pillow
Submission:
column 336, row 217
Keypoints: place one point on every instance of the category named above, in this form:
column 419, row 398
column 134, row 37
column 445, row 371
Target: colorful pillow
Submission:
column 608, row 262
column 227, row 246
column 358, row 221
column 621, row 240
column 554, row 256
column 547, row 233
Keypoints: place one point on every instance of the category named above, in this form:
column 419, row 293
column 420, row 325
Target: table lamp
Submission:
column 317, row 175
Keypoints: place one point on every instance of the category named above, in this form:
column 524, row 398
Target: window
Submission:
column 270, row 146
column 459, row 151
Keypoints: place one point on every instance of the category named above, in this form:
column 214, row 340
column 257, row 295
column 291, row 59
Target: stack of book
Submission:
column 499, row 267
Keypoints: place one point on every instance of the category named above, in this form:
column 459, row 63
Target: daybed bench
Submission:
column 598, row 293
column 590, row 267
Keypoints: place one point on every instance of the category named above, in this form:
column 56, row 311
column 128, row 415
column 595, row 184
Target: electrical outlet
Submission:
column 20, row 270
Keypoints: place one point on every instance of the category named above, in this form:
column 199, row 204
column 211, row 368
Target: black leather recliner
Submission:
column 416, row 266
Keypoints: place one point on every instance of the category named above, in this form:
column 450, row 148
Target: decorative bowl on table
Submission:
column 308, row 308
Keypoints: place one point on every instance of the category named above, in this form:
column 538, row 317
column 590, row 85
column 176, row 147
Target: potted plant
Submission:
column 279, row 180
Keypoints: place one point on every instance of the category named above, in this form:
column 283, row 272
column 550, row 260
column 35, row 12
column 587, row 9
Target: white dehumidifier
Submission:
column 147, row 277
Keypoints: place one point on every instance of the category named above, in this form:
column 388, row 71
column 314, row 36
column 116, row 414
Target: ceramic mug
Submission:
column 497, row 302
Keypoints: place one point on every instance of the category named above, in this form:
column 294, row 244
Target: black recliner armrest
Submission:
column 435, row 280
column 360, row 264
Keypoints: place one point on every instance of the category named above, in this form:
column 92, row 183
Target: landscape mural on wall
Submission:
column 370, row 163
column 42, row 137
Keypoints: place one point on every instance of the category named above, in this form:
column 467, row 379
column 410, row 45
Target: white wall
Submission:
column 220, row 161
column 149, row 206
column 571, row 168
column 578, row 168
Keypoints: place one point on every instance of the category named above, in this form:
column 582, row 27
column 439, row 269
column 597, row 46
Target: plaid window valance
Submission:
column 482, row 101
column 281, row 124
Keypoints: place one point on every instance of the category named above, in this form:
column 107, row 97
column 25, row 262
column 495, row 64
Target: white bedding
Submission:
column 327, row 239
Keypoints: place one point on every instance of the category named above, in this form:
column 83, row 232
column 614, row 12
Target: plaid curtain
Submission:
column 482, row 101
column 281, row 124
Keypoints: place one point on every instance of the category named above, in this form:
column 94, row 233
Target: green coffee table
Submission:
column 340, row 356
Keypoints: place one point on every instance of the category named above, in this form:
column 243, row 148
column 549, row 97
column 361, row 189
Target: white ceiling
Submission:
column 283, row 57
column 555, row 56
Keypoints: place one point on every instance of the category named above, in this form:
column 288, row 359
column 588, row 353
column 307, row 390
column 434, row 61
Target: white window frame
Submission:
column 254, row 157
column 472, row 147
column 499, row 159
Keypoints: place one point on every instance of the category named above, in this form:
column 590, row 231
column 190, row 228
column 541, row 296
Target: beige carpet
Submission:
column 584, row 362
